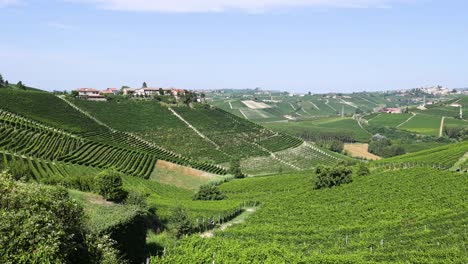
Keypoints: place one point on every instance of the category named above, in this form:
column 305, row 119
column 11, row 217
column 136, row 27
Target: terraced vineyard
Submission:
column 443, row 157
column 392, row 217
column 124, row 152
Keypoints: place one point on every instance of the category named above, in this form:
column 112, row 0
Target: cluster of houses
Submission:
column 92, row 94
column 145, row 92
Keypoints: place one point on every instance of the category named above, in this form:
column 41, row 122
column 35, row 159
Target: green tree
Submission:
column 2, row 82
column 74, row 93
column 161, row 91
column 180, row 222
column 144, row 85
column 235, row 169
column 362, row 169
column 336, row 146
column 20, row 85
column 209, row 192
column 328, row 177
column 109, row 184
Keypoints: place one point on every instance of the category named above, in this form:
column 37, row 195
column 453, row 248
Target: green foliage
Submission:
column 135, row 198
column 235, row 169
column 362, row 169
column 407, row 216
column 180, row 222
column 209, row 192
column 383, row 147
column 328, row 177
column 109, row 184
column 39, row 224
column 336, row 146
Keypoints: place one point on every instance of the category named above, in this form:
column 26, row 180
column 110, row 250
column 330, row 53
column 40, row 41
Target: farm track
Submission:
column 441, row 129
column 86, row 113
column 240, row 110
column 276, row 158
column 237, row 220
column 193, row 128
column 407, row 120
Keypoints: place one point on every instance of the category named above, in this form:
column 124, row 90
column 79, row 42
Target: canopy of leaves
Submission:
column 109, row 185
column 209, row 192
column 328, row 177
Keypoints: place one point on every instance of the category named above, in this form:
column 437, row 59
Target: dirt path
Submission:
column 237, row 220
column 326, row 102
column 359, row 150
column 407, row 120
column 193, row 128
column 292, row 106
column 243, row 114
column 441, row 129
column 230, row 105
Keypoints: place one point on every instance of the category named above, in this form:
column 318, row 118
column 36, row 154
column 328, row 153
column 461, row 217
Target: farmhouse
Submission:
column 154, row 91
column 90, row 94
column 391, row 110
column 109, row 91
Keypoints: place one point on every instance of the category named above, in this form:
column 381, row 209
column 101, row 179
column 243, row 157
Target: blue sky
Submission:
column 293, row 45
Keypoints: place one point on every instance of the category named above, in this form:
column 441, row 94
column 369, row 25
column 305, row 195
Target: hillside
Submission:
column 201, row 132
column 415, row 215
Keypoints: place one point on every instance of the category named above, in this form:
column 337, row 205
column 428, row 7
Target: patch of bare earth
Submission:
column 181, row 176
column 359, row 150
column 255, row 105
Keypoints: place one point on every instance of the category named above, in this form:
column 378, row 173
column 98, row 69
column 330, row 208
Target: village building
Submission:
column 391, row 110
column 109, row 91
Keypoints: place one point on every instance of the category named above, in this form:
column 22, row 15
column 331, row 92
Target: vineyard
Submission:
column 443, row 157
column 388, row 217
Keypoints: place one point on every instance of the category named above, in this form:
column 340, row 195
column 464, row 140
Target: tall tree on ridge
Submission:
column 144, row 85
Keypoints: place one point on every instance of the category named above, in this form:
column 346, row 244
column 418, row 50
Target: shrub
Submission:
column 336, row 146
column 209, row 192
column 362, row 169
column 328, row 177
column 235, row 169
column 135, row 198
column 180, row 222
column 39, row 224
column 109, row 185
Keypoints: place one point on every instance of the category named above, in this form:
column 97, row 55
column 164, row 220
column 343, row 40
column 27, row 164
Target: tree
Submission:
column 2, row 82
column 235, row 169
column 180, row 222
column 144, row 85
column 20, row 85
column 161, row 91
column 209, row 192
column 362, row 169
column 109, row 184
column 328, row 177
column 336, row 146
column 74, row 93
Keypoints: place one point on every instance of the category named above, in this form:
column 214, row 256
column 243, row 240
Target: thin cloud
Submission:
column 6, row 3
column 188, row 6
column 58, row 25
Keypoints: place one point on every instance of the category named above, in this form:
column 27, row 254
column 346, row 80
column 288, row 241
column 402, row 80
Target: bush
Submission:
column 235, row 169
column 38, row 224
column 135, row 198
column 109, row 185
column 328, row 177
column 336, row 146
column 180, row 222
column 362, row 169
column 209, row 192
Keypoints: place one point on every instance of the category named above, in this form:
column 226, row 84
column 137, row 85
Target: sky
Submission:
column 289, row 45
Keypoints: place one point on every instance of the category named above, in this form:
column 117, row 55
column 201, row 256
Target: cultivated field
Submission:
column 360, row 151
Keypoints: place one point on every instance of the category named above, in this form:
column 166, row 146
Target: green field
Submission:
column 390, row 120
column 423, row 124
column 388, row 217
column 327, row 127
